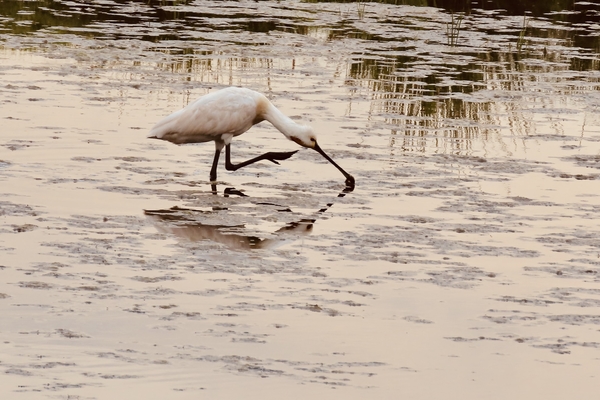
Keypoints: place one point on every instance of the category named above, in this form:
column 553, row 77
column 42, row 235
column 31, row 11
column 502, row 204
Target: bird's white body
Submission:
column 222, row 115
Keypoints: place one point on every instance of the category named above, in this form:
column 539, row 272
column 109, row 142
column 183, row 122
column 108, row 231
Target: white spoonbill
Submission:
column 222, row 115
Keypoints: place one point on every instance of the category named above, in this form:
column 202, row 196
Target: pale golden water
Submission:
column 465, row 264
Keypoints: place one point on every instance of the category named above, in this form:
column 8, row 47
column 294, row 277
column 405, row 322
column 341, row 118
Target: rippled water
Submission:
column 467, row 255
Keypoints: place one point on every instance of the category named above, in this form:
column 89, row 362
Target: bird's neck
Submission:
column 282, row 122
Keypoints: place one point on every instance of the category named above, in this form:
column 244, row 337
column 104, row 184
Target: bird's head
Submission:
column 305, row 137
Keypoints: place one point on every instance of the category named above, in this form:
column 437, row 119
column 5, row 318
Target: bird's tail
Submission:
column 164, row 126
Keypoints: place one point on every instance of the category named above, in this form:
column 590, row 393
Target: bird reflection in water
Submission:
column 185, row 223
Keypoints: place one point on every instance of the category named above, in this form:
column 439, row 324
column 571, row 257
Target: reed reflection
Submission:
column 426, row 92
column 189, row 224
column 447, row 106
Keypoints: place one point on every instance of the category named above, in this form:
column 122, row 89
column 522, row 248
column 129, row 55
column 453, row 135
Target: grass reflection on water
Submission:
column 497, row 71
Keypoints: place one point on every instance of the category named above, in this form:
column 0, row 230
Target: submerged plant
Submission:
column 360, row 8
column 453, row 30
column 521, row 39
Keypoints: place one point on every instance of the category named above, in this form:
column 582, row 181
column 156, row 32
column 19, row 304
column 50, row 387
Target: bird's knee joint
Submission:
column 230, row 167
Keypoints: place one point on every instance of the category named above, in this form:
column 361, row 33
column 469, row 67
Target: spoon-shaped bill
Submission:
column 349, row 178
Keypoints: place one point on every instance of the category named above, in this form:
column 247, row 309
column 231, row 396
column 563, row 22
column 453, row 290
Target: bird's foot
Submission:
column 233, row 191
column 275, row 156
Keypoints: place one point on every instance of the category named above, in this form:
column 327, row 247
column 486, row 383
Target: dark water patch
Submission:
column 146, row 279
column 88, row 288
column 514, row 316
column 460, row 278
column 472, row 339
column 575, row 296
column 355, row 292
column 117, row 250
column 121, row 355
column 587, row 303
column 576, row 319
column 17, row 371
column 187, row 315
column 36, row 285
column 586, row 161
column 524, row 301
column 47, row 267
column 417, row 320
column 584, row 269
column 23, row 228
column 58, row 181
column 19, row 144
column 424, row 239
column 560, row 10
column 66, row 333
column 85, row 159
column 131, row 159
column 53, row 364
column 118, row 376
column 568, row 241
column 563, row 346
column 497, row 212
column 236, row 336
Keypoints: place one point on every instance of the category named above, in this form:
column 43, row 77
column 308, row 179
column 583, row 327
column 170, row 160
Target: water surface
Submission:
column 467, row 255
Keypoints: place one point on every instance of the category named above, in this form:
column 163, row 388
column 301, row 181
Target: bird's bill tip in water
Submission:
column 350, row 181
column 349, row 178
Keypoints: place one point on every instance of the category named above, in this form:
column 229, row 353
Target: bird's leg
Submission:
column 271, row 156
column 230, row 191
column 213, row 170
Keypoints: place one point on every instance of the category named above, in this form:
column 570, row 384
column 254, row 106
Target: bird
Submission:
column 224, row 114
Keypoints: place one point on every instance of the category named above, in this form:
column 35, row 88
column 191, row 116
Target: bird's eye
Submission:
column 312, row 139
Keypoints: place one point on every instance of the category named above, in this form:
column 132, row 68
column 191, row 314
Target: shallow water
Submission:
column 467, row 255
